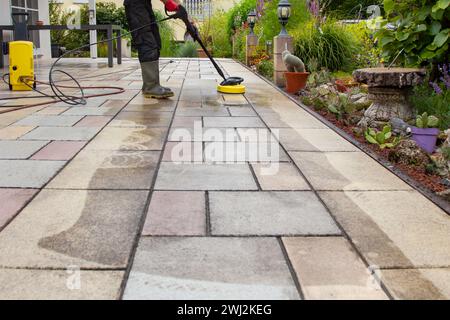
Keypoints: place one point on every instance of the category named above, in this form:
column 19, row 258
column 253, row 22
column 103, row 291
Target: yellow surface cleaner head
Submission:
column 232, row 85
column 236, row 89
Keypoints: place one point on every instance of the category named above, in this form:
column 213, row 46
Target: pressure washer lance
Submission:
column 228, row 85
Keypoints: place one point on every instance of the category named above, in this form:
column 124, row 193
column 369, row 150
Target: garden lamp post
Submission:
column 251, row 19
column 284, row 13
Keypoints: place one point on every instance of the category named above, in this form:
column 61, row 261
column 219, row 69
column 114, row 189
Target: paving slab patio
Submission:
column 101, row 187
column 210, row 268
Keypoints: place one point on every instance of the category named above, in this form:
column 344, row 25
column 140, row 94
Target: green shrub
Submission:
column 368, row 54
column 325, row 46
column 187, row 50
column 214, row 30
column 425, row 99
column 265, row 68
column 349, row 9
column 269, row 26
column 168, row 47
column 415, row 32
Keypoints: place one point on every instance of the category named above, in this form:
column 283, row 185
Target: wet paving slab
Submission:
column 318, row 219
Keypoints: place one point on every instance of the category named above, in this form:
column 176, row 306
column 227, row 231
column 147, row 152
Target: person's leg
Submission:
column 139, row 13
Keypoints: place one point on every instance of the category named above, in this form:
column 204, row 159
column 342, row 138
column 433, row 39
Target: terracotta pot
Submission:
column 39, row 23
column 295, row 81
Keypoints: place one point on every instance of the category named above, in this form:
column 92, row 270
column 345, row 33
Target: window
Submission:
column 30, row 6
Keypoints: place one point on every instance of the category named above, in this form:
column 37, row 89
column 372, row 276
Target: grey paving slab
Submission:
column 203, row 134
column 313, row 140
column 242, row 112
column 393, row 228
column 13, row 149
column 59, row 285
column 27, row 173
column 61, row 133
column 233, row 122
column 204, row 177
column 291, row 118
column 329, row 269
column 269, row 213
column 60, row 228
column 346, row 171
column 112, row 138
column 49, row 121
column 106, row 169
column 233, row 152
column 210, row 268
column 176, row 213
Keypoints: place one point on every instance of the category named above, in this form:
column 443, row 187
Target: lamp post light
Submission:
column 284, row 13
column 251, row 19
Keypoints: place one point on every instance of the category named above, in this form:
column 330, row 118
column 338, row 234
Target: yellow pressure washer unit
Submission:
column 21, row 57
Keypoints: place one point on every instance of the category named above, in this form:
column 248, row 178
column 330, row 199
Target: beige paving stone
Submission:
column 292, row 118
column 60, row 228
column 393, row 228
column 279, row 177
column 52, row 110
column 345, row 171
column 210, row 268
column 61, row 133
column 58, row 285
column 14, row 132
column 176, row 213
column 233, row 122
column 417, row 284
column 204, row 177
column 313, row 140
column 329, row 269
column 125, row 139
column 202, row 112
column 49, row 121
column 186, row 122
column 106, row 169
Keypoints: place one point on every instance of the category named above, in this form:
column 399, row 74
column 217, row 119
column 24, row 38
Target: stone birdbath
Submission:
column 389, row 89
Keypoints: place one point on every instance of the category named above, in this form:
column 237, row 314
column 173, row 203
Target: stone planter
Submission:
column 425, row 138
column 389, row 90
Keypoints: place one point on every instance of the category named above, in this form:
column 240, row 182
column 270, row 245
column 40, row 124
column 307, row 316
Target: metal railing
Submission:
column 199, row 9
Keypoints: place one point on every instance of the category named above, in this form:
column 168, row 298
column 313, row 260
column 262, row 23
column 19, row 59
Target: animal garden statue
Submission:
column 293, row 63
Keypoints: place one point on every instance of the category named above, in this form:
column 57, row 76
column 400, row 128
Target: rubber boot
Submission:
column 151, row 87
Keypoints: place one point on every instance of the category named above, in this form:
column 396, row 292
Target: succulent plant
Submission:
column 383, row 139
column 426, row 121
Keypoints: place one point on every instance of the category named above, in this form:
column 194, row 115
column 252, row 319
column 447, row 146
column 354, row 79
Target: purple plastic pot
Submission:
column 426, row 138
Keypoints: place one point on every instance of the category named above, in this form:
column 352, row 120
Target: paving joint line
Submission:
column 147, row 204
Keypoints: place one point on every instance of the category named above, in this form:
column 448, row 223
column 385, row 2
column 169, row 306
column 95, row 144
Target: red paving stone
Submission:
column 11, row 201
column 59, row 150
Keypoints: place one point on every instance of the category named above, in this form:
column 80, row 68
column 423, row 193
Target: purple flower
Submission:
column 446, row 75
column 436, row 88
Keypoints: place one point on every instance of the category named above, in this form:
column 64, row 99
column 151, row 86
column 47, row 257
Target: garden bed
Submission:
column 431, row 182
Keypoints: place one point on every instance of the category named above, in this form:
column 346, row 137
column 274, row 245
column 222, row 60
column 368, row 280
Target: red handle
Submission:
column 171, row 6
